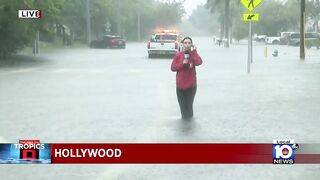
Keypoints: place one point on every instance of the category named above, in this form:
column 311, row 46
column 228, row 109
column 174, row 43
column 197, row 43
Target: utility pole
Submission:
column 88, row 22
column 118, row 18
column 318, row 16
column 249, row 62
column 302, row 29
column 38, row 43
column 139, row 26
column 227, row 19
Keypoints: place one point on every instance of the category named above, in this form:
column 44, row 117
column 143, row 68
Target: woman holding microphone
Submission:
column 184, row 63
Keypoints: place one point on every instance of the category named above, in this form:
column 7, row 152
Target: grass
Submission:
column 46, row 47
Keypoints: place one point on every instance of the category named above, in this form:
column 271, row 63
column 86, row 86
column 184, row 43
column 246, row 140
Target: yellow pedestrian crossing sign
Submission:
column 251, row 4
column 251, row 17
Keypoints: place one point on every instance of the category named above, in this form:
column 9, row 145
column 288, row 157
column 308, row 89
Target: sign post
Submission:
column 250, row 17
column 107, row 26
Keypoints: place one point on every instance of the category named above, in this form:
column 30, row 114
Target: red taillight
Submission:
column 176, row 45
column 113, row 41
column 148, row 45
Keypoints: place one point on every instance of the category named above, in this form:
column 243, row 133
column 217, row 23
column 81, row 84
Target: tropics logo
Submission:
column 29, row 149
column 25, row 152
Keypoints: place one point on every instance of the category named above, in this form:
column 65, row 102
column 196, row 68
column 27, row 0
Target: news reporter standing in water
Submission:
column 184, row 63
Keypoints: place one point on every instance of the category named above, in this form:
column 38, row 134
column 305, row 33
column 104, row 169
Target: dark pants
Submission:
column 185, row 99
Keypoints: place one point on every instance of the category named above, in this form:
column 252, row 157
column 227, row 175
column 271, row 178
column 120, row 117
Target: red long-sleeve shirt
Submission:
column 186, row 77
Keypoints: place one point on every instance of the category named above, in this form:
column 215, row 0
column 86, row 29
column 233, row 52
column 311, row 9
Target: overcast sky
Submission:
column 190, row 5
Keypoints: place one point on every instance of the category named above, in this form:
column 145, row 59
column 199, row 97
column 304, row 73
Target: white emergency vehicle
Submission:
column 164, row 42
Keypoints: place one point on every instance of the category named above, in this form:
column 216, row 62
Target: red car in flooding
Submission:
column 109, row 41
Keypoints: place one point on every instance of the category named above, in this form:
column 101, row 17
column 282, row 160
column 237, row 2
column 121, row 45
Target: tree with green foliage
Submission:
column 223, row 8
column 229, row 13
column 123, row 16
column 277, row 16
column 15, row 33
column 202, row 19
column 313, row 11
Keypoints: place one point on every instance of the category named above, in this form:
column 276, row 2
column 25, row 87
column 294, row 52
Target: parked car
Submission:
column 294, row 39
column 311, row 39
column 273, row 40
column 109, row 41
column 260, row 38
column 284, row 37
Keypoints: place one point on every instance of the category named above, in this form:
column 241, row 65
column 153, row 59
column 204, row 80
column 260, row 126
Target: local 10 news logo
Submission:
column 283, row 151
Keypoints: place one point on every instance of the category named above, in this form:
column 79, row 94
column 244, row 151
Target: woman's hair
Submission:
column 187, row 38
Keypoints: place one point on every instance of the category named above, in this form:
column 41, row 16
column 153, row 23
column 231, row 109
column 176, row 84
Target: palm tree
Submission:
column 314, row 13
column 217, row 6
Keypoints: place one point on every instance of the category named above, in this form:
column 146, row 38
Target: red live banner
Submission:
column 165, row 153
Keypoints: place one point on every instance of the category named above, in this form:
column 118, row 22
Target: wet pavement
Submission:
column 110, row 95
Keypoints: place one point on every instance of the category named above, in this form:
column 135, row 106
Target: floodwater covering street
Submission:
column 119, row 95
